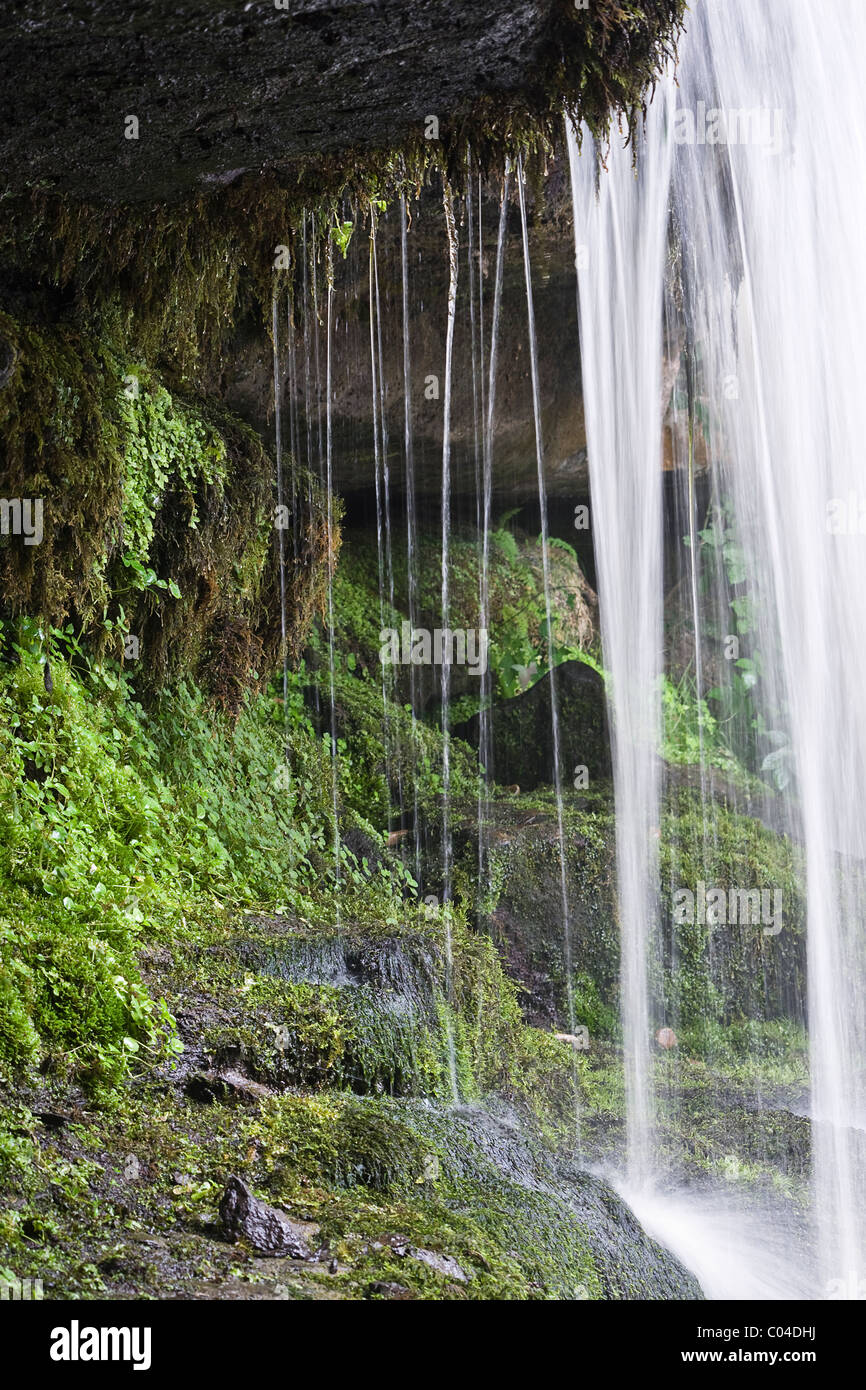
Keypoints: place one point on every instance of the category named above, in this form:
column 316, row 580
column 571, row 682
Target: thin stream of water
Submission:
column 281, row 542
column 485, row 719
column 548, row 610
column 447, row 848
column 453, row 266
column 381, row 504
column 411, row 513
column 283, row 775
column 473, row 338
column 294, row 423
column 329, row 483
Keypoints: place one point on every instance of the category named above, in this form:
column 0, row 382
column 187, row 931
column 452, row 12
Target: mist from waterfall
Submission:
column 749, row 196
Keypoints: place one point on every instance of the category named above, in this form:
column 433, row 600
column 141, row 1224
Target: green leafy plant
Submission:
column 341, row 235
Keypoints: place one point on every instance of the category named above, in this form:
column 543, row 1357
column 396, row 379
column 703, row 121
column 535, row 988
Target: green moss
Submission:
column 19, row 1040
column 163, row 442
column 410, row 1177
column 393, row 1030
column 115, row 824
column 703, row 979
column 517, row 652
column 325, row 1036
column 526, row 918
column 59, row 420
column 385, row 1178
column 717, row 975
column 157, row 517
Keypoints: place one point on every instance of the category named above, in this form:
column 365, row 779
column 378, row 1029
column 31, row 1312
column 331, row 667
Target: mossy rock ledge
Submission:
column 316, row 1071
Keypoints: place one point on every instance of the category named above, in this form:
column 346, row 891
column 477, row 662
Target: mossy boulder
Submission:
column 521, row 731
column 523, row 909
column 703, row 978
column 710, row 973
column 507, row 1220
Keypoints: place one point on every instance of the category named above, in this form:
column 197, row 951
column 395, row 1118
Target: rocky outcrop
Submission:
column 216, row 89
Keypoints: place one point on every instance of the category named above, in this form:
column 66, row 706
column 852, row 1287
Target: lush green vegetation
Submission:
column 199, row 897
column 121, row 826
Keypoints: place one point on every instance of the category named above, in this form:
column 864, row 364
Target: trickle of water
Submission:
column 477, row 407
column 278, row 436
column 485, row 741
column 285, row 773
column 329, row 483
column 294, row 424
column 317, row 345
column 548, row 612
column 391, row 734
column 411, row 513
column 481, row 309
column 381, row 498
column 453, row 266
column 383, row 418
column 477, row 354
column 308, row 397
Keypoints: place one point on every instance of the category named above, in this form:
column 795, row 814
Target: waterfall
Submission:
column 620, row 247
column 772, row 214
column 758, row 160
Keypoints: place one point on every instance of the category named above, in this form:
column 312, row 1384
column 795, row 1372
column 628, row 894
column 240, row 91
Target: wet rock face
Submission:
column 526, row 921
column 221, row 88
column 247, row 374
column 513, row 457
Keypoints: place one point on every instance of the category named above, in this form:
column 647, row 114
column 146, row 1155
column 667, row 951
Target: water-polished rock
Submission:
column 265, row 1228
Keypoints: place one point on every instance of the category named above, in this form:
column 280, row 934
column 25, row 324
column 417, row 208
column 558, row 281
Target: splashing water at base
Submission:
column 733, row 1254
